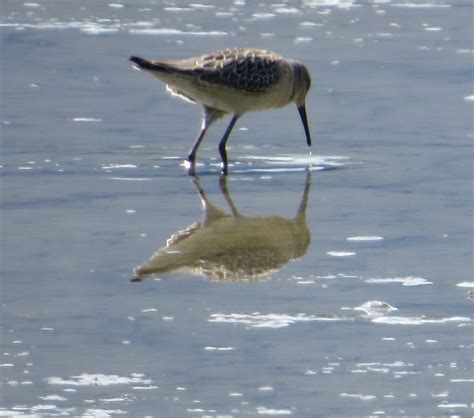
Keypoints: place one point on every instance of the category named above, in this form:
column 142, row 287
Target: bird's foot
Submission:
column 224, row 170
column 190, row 165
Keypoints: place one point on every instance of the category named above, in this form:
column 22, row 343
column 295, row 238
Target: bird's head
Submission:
column 301, row 86
column 301, row 83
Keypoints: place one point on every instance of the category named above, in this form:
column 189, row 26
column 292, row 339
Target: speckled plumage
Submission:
column 233, row 81
column 251, row 70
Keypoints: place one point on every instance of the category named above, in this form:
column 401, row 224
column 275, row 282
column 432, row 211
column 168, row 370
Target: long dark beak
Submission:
column 304, row 119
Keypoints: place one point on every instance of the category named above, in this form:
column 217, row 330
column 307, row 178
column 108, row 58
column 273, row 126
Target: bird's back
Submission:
column 232, row 80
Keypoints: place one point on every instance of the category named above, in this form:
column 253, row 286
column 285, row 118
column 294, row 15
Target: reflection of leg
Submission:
column 210, row 116
column 211, row 212
column 226, row 194
column 201, row 192
column 222, row 149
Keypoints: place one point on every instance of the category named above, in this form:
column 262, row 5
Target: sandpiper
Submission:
column 233, row 81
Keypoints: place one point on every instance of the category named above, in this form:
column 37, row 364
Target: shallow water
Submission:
column 345, row 287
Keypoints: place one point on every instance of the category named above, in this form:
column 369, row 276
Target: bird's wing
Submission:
column 243, row 69
column 249, row 70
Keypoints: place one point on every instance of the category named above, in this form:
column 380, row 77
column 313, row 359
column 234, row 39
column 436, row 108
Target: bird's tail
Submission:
column 148, row 65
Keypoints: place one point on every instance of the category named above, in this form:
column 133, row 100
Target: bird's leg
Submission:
column 192, row 154
column 210, row 116
column 222, row 150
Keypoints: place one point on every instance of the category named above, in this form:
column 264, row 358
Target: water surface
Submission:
column 345, row 286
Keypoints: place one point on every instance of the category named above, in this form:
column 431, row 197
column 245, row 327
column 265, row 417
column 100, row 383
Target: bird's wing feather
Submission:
column 249, row 70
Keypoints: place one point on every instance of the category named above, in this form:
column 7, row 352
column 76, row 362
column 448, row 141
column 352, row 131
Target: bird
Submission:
column 233, row 82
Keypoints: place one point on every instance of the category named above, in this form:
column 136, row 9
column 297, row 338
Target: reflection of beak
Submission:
column 304, row 119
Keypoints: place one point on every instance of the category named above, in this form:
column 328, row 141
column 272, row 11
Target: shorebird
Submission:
column 233, row 81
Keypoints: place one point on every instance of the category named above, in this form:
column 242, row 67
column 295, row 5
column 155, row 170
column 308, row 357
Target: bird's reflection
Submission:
column 231, row 246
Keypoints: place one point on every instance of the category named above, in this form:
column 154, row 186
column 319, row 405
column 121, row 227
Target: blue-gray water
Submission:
column 373, row 316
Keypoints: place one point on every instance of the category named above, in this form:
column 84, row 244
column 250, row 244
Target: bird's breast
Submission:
column 238, row 101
